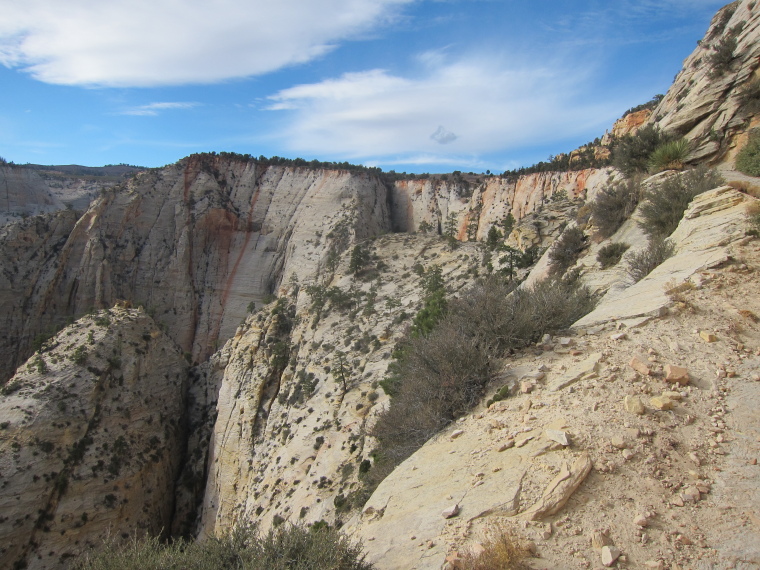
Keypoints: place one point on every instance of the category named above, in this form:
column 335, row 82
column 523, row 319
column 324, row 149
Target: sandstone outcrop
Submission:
column 196, row 244
column 711, row 226
column 477, row 206
column 631, row 123
column 706, row 102
column 91, row 439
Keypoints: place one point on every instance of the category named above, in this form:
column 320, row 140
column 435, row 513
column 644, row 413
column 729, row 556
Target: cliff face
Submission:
column 26, row 191
column 477, row 206
column 195, row 243
column 706, row 102
column 200, row 242
column 30, row 256
column 91, row 439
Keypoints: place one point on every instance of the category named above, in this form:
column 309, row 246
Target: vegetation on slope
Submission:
column 283, row 548
column 442, row 374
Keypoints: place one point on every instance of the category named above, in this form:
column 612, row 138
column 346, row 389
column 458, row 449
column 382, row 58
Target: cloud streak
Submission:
column 144, row 43
column 489, row 105
column 153, row 109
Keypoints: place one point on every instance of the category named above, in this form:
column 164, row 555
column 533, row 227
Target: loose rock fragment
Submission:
column 691, row 494
column 450, row 512
column 634, row 405
column 599, row 540
column 707, row 336
column 558, row 435
column 640, row 366
column 609, row 555
column 560, row 489
column 661, row 403
column 618, row 442
column 676, row 374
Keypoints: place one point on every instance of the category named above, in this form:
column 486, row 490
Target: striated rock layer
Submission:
column 706, row 102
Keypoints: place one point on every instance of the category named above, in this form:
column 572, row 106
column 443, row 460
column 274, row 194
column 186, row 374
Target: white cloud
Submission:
column 491, row 107
column 171, row 42
column 152, row 109
column 442, row 136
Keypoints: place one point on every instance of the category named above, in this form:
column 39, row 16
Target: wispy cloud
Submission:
column 165, row 42
column 457, row 108
column 153, row 109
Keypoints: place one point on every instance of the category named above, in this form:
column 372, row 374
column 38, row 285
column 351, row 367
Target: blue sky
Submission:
column 410, row 85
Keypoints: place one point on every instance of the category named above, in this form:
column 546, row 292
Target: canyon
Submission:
column 194, row 347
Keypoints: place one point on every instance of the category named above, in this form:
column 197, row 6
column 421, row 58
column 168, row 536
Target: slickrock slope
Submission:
column 299, row 384
column 91, row 439
column 673, row 457
column 706, row 102
column 711, row 226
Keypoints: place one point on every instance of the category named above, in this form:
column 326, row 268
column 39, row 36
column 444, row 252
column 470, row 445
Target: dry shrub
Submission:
column 614, row 204
column 642, row 263
column 666, row 202
column 565, row 251
column 289, row 547
column 611, row 254
column 753, row 217
column 500, row 551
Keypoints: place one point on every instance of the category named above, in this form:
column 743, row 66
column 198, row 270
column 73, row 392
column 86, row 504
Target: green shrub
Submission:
column 11, row 387
column 288, row 547
column 642, row 263
column 748, row 158
column 666, row 202
column 722, row 56
column 614, row 204
column 632, row 152
column 79, row 356
column 565, row 251
column 670, row 155
column 611, row 254
column 433, row 303
column 40, row 364
column 749, row 98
